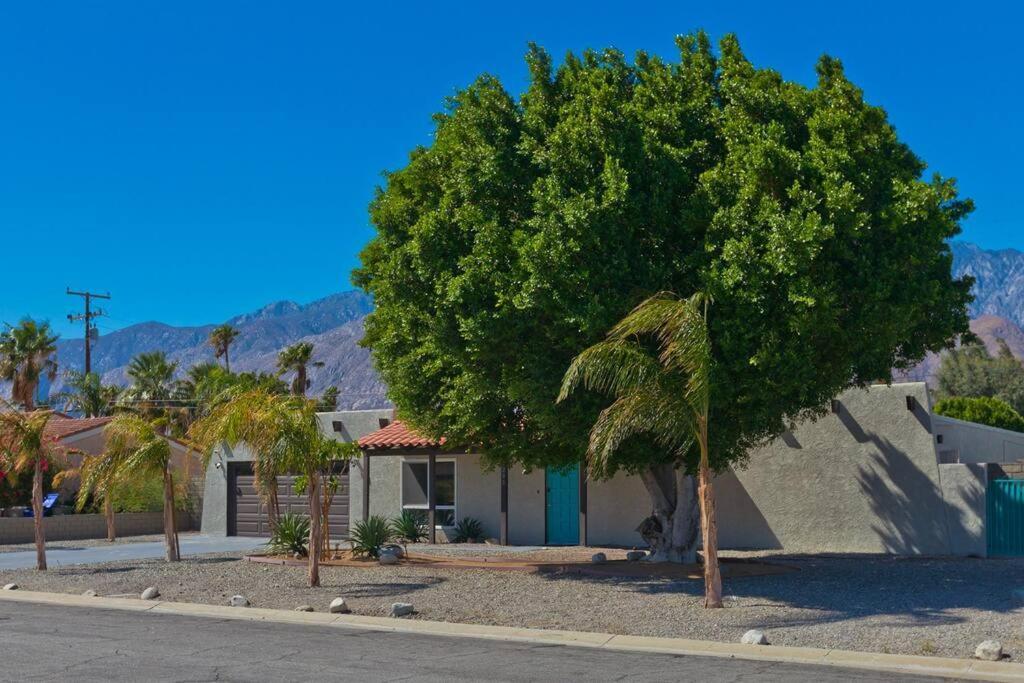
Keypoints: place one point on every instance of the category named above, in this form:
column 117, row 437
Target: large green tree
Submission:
column 529, row 227
column 971, row 371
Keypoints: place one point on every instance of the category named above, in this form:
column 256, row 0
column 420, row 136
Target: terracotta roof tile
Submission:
column 63, row 427
column 397, row 435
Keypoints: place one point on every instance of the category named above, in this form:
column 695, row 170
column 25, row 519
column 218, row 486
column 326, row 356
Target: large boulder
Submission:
column 394, row 549
column 400, row 609
column 989, row 650
column 388, row 558
column 754, row 637
column 339, row 606
column 598, row 558
column 150, row 593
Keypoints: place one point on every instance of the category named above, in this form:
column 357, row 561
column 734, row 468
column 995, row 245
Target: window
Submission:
column 414, row 490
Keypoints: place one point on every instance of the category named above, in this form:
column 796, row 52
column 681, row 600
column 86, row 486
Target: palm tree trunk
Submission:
column 108, row 512
column 170, row 532
column 227, row 361
column 37, row 515
column 712, row 574
column 314, row 530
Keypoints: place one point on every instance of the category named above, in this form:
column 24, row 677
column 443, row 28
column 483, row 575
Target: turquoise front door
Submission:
column 562, row 506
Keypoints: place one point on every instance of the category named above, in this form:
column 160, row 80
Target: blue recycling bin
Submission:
column 49, row 500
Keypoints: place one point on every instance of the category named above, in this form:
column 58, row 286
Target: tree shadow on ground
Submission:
column 381, row 590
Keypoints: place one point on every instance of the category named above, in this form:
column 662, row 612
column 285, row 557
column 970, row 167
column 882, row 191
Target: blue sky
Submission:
column 200, row 159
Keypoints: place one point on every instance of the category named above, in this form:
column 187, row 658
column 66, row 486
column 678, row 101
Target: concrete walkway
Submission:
column 190, row 545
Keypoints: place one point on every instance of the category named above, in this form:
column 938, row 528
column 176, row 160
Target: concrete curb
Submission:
column 967, row 669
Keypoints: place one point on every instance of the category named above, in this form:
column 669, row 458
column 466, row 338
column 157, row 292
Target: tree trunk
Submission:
column 170, row 532
column 314, row 530
column 672, row 529
column 712, row 574
column 108, row 512
column 273, row 506
column 227, row 361
column 37, row 514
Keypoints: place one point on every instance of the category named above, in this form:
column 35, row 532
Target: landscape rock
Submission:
column 238, row 601
column 11, row 587
column 338, row 606
column 388, row 558
column 89, row 593
column 395, row 550
column 150, row 593
column 635, row 555
column 304, row 608
column 754, row 637
column 400, row 609
column 989, row 650
column 598, row 558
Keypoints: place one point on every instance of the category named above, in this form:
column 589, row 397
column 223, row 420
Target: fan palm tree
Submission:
column 24, row 446
column 86, row 394
column 284, row 434
column 26, row 355
column 298, row 358
column 135, row 447
column 221, row 339
column 665, row 397
column 153, row 392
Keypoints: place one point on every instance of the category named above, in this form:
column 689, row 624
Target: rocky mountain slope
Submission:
column 334, row 325
column 999, row 280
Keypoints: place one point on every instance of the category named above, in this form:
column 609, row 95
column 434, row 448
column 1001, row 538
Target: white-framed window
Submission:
column 414, row 490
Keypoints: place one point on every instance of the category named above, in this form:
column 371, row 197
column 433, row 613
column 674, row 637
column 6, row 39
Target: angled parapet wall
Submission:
column 863, row 479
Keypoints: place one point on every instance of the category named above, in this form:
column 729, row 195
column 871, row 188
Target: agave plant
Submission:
column 407, row 528
column 290, row 535
column 368, row 536
column 468, row 530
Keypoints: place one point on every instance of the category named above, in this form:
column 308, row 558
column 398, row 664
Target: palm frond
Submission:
column 613, row 367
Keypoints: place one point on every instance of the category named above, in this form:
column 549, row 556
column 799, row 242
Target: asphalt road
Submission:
column 190, row 545
column 43, row 642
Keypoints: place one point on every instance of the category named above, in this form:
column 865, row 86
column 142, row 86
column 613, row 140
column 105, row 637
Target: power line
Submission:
column 90, row 328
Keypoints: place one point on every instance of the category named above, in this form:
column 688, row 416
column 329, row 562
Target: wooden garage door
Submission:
column 247, row 516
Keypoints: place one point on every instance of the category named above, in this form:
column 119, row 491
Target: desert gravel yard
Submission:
column 882, row 604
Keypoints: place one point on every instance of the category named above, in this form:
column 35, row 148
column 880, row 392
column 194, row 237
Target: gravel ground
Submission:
column 89, row 542
column 882, row 604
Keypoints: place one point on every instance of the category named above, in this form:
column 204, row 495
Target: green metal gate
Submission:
column 1005, row 519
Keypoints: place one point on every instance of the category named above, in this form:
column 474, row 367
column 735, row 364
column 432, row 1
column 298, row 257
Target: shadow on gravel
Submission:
column 379, row 590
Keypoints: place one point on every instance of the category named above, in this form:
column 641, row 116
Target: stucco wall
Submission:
column 975, row 443
column 964, row 487
column 77, row 527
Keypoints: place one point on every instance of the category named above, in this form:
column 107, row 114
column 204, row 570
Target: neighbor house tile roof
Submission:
column 61, row 427
column 397, row 435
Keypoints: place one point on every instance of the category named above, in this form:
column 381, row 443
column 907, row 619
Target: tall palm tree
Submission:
column 221, row 339
column 86, row 394
column 26, row 355
column 92, row 485
column 298, row 358
column 24, row 446
column 135, row 447
column 665, row 397
column 153, row 391
column 284, row 434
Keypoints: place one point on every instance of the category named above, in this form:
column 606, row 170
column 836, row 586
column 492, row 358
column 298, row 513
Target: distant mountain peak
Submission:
column 274, row 310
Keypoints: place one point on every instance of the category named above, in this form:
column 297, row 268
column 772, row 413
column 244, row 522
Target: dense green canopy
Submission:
column 529, row 227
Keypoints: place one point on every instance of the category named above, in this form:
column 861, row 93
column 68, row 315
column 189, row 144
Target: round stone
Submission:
column 754, row 637
column 150, row 593
column 339, row 606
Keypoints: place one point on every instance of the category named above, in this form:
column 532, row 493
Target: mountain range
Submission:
column 334, row 325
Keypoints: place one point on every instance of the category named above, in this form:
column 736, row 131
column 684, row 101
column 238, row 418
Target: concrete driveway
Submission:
column 190, row 545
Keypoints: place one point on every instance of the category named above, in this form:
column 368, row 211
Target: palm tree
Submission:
column 26, row 355
column 95, row 486
column 135, row 447
column 25, row 446
column 87, row 395
column 284, row 434
column 665, row 397
column 221, row 339
column 297, row 358
column 153, row 392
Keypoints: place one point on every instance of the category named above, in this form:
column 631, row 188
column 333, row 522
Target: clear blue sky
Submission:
column 199, row 159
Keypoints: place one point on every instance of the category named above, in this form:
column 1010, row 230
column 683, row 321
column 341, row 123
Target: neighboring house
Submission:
column 879, row 474
column 84, row 436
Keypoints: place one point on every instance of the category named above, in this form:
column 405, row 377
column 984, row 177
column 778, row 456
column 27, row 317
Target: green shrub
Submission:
column 407, row 528
column 468, row 530
column 982, row 410
column 369, row 535
column 290, row 535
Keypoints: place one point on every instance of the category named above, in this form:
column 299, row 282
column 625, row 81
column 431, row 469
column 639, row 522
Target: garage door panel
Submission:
column 250, row 515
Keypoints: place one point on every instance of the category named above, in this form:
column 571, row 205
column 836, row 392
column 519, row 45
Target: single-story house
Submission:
column 879, row 474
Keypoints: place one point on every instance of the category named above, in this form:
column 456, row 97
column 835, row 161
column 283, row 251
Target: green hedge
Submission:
column 983, row 410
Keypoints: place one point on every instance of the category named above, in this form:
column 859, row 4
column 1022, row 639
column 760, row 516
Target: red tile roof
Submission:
column 61, row 427
column 397, row 435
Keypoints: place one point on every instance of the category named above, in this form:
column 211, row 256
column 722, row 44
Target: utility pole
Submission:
column 90, row 329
